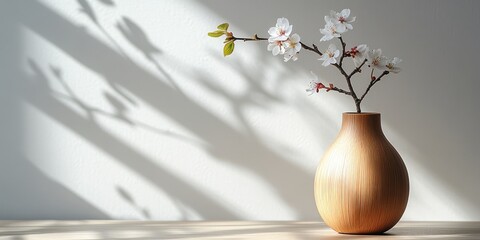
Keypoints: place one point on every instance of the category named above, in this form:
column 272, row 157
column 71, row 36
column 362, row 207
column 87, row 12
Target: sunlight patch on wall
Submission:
column 60, row 90
column 91, row 173
column 150, row 121
column 79, row 110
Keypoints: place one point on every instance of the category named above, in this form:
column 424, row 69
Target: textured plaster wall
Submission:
column 126, row 110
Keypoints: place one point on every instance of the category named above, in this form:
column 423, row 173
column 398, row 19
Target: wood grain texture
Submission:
column 361, row 184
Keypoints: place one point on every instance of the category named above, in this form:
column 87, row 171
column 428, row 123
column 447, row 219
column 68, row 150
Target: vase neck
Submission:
column 361, row 123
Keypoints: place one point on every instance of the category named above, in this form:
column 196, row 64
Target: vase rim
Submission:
column 362, row 113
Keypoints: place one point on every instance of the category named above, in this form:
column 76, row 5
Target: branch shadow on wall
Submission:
column 242, row 149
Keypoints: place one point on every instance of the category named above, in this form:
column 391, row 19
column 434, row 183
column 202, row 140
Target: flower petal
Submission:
column 284, row 22
column 298, row 47
column 276, row 50
column 295, row 38
column 327, row 19
column 270, row 46
column 361, row 47
column 288, row 30
column 340, row 28
column 336, row 53
column 272, row 31
column 326, row 38
column 325, row 63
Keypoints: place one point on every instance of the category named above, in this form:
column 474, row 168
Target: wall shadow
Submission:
column 39, row 95
column 39, row 196
column 242, row 149
column 128, row 197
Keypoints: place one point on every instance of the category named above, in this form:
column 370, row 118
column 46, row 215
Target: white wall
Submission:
column 127, row 110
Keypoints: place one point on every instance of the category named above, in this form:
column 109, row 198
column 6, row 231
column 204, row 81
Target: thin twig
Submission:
column 358, row 69
column 342, row 71
column 340, row 91
column 255, row 38
column 313, row 49
column 343, row 51
column 350, row 86
column 372, row 82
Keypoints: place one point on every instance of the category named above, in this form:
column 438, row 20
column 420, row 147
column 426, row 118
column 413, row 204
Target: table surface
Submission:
column 51, row 230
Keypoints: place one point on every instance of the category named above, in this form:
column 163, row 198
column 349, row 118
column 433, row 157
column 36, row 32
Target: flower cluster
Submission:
column 338, row 23
column 280, row 41
column 330, row 55
column 283, row 42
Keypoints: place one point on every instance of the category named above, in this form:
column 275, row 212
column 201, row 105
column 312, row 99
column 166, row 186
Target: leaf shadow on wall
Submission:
column 290, row 182
column 40, row 96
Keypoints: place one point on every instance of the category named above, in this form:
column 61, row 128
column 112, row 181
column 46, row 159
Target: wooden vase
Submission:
column 361, row 184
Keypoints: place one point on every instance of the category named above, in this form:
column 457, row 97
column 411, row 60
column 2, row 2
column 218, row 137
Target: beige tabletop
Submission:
column 51, row 230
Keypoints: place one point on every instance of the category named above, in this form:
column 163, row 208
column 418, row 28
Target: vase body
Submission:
column 361, row 184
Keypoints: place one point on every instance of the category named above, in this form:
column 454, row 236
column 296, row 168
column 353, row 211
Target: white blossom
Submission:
column 330, row 55
column 293, row 42
column 376, row 59
column 358, row 54
column 391, row 65
column 281, row 31
column 315, row 85
column 292, row 47
column 276, row 47
column 342, row 18
column 332, row 30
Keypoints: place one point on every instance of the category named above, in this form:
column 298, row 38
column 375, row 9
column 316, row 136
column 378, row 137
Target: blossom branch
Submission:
column 255, row 38
column 372, row 82
column 358, row 69
column 313, row 49
column 340, row 90
column 350, row 86
column 340, row 68
column 343, row 51
column 282, row 41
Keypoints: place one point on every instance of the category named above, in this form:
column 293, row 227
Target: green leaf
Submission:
column 223, row 26
column 217, row 33
column 228, row 48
